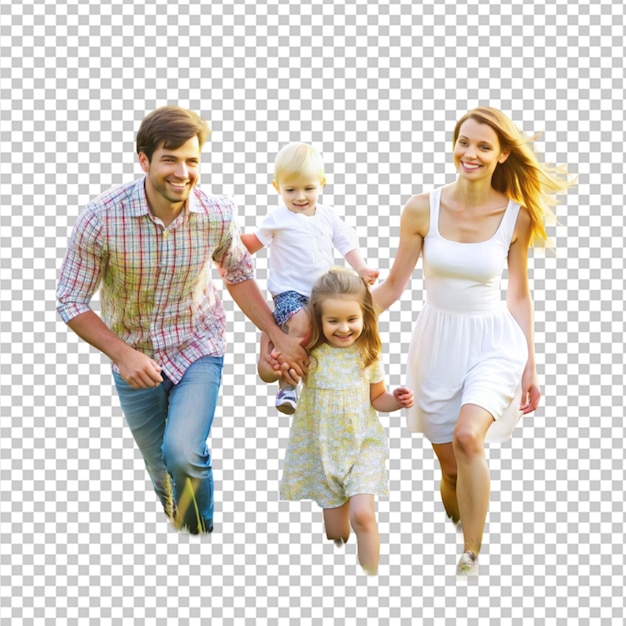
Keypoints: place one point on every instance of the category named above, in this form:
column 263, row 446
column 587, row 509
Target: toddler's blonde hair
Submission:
column 296, row 160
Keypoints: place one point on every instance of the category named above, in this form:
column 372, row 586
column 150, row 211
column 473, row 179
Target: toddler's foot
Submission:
column 287, row 400
column 468, row 565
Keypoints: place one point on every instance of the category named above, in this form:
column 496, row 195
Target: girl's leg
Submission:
column 337, row 522
column 447, row 461
column 473, row 482
column 363, row 520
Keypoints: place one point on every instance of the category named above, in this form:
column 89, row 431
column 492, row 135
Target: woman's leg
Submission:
column 473, row 482
column 447, row 461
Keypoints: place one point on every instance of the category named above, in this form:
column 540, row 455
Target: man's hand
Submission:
column 139, row 370
column 292, row 358
column 136, row 368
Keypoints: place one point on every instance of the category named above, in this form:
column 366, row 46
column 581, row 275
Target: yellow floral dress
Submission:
column 337, row 445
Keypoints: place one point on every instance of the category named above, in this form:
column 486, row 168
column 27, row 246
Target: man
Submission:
column 149, row 245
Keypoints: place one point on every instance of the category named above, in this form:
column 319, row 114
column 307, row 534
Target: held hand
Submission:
column 368, row 275
column 288, row 351
column 140, row 371
column 272, row 359
column 531, row 393
column 284, row 369
column 404, row 396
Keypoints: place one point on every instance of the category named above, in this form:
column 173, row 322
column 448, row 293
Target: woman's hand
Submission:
column 531, row 393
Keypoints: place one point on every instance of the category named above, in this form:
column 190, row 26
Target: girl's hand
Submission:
column 404, row 396
column 283, row 368
column 368, row 275
column 531, row 393
column 272, row 359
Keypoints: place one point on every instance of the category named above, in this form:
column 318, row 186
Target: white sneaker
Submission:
column 468, row 565
column 287, row 400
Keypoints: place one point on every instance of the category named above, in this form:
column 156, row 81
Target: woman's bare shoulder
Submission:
column 419, row 203
column 416, row 213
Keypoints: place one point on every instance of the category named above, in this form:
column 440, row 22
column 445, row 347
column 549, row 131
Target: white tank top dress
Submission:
column 466, row 347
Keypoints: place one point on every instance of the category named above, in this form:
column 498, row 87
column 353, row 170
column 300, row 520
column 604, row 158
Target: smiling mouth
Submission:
column 470, row 166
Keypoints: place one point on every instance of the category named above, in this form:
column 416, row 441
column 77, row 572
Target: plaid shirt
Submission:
column 156, row 292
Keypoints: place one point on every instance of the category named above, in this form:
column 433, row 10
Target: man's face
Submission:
column 171, row 174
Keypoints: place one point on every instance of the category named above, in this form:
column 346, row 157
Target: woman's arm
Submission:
column 520, row 304
column 414, row 225
column 386, row 402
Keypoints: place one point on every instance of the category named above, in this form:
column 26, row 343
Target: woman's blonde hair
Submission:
column 296, row 160
column 337, row 283
column 522, row 178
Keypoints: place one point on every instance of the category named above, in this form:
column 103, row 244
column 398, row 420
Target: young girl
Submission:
column 301, row 234
column 337, row 446
column 472, row 360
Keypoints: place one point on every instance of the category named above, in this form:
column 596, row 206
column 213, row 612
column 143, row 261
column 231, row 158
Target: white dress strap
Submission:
column 435, row 199
column 507, row 228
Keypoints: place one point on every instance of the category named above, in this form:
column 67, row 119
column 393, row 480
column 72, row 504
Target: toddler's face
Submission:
column 300, row 193
column 342, row 321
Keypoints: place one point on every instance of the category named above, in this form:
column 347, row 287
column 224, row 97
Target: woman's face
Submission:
column 477, row 151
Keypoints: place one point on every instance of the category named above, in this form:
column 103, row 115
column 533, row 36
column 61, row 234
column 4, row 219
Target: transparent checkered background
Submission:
column 377, row 87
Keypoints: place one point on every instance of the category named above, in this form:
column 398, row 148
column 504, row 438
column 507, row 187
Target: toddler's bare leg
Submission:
column 299, row 327
column 266, row 372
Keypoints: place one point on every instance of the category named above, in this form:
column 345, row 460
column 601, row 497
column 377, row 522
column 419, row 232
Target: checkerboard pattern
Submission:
column 377, row 87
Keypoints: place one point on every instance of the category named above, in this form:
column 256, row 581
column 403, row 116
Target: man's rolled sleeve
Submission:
column 234, row 262
column 82, row 266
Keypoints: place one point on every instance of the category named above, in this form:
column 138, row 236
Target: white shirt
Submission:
column 301, row 246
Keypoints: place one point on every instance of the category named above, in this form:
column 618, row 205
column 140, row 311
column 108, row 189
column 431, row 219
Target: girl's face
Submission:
column 477, row 151
column 342, row 321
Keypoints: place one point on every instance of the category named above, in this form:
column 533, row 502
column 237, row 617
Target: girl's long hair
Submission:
column 522, row 178
column 337, row 283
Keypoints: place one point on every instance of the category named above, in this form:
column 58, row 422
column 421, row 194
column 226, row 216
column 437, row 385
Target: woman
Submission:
column 472, row 361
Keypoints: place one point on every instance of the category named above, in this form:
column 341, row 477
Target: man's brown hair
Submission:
column 170, row 127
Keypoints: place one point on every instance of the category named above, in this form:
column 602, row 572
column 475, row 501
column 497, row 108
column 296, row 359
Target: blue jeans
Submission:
column 171, row 425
